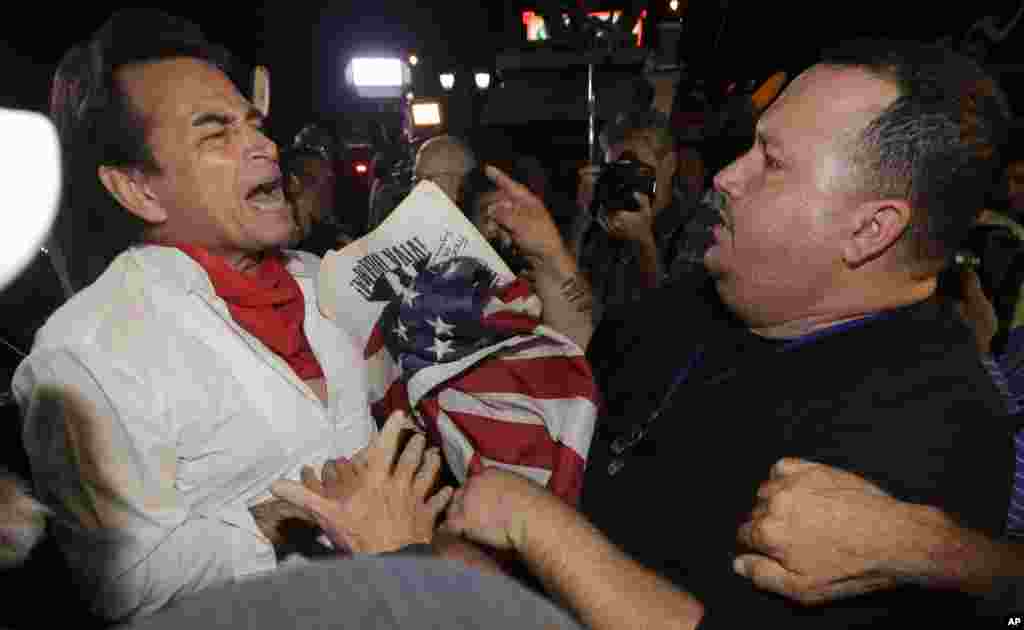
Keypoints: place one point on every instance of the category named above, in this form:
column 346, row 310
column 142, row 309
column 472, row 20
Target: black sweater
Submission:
column 902, row 400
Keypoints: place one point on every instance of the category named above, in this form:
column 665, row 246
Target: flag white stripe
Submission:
column 551, row 349
column 429, row 378
column 568, row 420
column 540, row 475
column 512, row 406
column 527, row 306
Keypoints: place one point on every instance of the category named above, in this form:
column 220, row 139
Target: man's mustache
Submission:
column 718, row 201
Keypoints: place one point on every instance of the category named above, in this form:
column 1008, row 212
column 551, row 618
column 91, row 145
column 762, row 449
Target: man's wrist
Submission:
column 939, row 550
column 558, row 265
column 539, row 515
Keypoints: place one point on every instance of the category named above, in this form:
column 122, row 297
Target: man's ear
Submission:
column 874, row 227
column 133, row 192
column 294, row 184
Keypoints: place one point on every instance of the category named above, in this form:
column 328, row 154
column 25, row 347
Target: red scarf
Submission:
column 268, row 304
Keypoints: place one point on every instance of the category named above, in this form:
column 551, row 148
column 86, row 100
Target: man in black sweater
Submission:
column 817, row 336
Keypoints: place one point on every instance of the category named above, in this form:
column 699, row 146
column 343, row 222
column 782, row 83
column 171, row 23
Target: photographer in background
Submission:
column 628, row 240
column 392, row 181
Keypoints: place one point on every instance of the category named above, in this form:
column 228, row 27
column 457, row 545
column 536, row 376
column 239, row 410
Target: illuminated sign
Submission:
column 426, row 114
column 537, row 30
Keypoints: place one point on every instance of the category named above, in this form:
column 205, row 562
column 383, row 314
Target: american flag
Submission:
column 471, row 362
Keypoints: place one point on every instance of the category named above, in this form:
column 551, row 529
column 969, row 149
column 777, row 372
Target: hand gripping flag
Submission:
column 470, row 360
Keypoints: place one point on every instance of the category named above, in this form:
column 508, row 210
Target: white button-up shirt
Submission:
column 153, row 422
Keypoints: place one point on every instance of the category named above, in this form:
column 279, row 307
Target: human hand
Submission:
column 588, row 183
column 283, row 524
column 977, row 311
column 492, row 508
column 374, row 503
column 522, row 215
column 22, row 521
column 636, row 226
column 822, row 534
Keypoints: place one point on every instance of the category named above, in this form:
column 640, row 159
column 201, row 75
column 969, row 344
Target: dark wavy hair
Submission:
column 98, row 126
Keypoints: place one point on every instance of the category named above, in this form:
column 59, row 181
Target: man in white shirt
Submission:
column 194, row 367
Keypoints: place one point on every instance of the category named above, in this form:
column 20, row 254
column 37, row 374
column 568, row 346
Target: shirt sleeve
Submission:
column 102, row 448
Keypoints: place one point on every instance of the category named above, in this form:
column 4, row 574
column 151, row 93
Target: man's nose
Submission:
column 730, row 180
column 261, row 147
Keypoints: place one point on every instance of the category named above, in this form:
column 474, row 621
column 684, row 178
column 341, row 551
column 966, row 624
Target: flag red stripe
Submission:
column 508, row 442
column 511, row 322
column 540, row 377
column 515, row 290
column 567, row 479
column 375, row 342
column 395, row 399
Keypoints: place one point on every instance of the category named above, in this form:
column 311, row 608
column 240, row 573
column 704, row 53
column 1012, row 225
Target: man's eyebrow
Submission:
column 217, row 118
column 212, row 118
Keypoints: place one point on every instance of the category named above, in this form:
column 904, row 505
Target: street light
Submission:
column 413, row 60
column 483, row 80
column 447, row 81
column 378, row 77
column 426, row 114
column 410, row 96
column 674, row 5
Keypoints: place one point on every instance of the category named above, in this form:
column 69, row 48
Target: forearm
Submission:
column 650, row 265
column 606, row 588
column 566, row 295
column 949, row 556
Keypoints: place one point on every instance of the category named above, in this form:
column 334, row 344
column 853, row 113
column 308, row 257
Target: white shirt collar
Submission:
column 176, row 267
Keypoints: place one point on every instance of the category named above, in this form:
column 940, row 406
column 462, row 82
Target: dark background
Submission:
column 306, row 44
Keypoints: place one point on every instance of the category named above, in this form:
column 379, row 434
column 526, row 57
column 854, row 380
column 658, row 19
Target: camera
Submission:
column 617, row 183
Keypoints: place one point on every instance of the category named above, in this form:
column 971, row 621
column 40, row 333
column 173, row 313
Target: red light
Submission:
column 362, row 169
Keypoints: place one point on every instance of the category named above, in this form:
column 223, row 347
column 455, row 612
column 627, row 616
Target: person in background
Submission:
column 392, row 181
column 311, row 186
column 632, row 251
column 445, row 161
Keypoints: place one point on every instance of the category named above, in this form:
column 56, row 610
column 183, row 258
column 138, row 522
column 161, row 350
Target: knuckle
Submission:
column 764, row 533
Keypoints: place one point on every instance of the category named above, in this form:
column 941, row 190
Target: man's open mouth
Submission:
column 268, row 195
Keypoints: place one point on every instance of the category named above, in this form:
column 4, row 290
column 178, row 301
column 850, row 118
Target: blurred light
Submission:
column 674, row 5
column 362, row 169
column 413, row 60
column 31, row 169
column 447, row 80
column 426, row 114
column 377, row 72
column 483, row 80
column 410, row 96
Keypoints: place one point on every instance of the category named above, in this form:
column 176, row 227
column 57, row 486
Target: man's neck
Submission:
column 808, row 324
column 245, row 262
